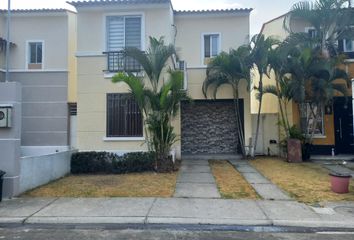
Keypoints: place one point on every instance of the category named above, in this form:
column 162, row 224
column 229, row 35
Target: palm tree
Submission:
column 260, row 48
column 159, row 101
column 329, row 18
column 314, row 80
column 230, row 68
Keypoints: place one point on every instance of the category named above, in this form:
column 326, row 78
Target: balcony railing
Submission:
column 117, row 61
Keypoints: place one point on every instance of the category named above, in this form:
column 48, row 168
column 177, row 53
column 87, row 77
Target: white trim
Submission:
column 319, row 136
column 89, row 54
column 202, row 57
column 123, row 139
column 141, row 14
column 108, row 75
column 28, row 53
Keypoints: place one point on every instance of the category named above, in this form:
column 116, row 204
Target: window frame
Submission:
column 211, row 45
column 344, row 46
column 127, row 137
column 125, row 14
column 28, row 54
column 322, row 126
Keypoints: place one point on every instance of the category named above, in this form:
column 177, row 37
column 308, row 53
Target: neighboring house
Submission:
column 109, row 120
column 42, row 59
column 335, row 126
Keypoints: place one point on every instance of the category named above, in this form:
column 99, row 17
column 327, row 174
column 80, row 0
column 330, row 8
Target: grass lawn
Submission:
column 230, row 182
column 126, row 185
column 307, row 182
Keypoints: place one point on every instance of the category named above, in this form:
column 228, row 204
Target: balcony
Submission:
column 117, row 61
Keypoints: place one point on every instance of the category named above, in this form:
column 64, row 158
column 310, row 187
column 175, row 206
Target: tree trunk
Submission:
column 238, row 121
column 260, row 88
column 286, row 127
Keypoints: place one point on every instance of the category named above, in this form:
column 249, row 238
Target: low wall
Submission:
column 39, row 170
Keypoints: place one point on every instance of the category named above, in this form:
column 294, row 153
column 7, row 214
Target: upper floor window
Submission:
column 35, row 55
column 211, row 43
column 348, row 45
column 123, row 31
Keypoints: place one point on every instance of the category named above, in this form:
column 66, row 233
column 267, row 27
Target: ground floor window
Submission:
column 312, row 119
column 124, row 118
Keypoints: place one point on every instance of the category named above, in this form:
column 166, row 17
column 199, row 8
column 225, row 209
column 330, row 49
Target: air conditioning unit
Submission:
column 5, row 116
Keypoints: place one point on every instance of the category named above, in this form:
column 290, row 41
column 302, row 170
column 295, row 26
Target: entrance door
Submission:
column 343, row 125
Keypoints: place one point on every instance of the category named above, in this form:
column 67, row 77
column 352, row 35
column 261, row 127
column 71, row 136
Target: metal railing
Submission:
column 117, row 61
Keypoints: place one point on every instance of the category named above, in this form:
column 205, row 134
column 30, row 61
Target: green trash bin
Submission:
column 2, row 173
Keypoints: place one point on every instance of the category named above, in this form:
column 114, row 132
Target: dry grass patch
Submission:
column 230, row 182
column 126, row 185
column 307, row 182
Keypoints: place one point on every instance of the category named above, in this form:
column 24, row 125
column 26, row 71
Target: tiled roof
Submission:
column 108, row 2
column 231, row 10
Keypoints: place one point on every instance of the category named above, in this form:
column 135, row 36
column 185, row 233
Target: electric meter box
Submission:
column 5, row 116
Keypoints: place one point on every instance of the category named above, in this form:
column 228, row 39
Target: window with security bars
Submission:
column 312, row 119
column 122, row 32
column 124, row 118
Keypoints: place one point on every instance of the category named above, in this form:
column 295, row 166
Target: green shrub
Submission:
column 104, row 162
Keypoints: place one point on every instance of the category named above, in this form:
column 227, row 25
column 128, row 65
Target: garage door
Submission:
column 208, row 127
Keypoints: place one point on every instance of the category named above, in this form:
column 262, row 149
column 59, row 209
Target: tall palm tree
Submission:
column 314, row 80
column 159, row 101
column 260, row 48
column 329, row 18
column 230, row 68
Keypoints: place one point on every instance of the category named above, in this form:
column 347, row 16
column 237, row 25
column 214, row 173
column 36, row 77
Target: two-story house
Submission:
column 42, row 60
column 106, row 27
column 335, row 124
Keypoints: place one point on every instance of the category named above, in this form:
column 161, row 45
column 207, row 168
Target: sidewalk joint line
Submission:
column 148, row 213
column 47, row 205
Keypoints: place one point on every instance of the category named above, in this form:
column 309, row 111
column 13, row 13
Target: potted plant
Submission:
column 294, row 145
column 340, row 182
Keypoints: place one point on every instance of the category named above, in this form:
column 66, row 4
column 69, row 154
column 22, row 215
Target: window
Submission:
column 348, row 45
column 35, row 55
column 312, row 117
column 211, row 43
column 124, row 118
column 122, row 31
column 312, row 32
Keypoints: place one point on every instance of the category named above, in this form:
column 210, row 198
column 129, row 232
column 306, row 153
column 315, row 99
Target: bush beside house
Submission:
column 110, row 163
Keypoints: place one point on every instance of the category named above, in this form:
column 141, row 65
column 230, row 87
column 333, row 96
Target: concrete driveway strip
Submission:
column 91, row 210
column 17, row 210
column 207, row 211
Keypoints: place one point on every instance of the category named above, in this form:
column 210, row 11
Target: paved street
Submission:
column 66, row 234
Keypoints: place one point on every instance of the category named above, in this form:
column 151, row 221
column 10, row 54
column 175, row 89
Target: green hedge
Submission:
column 105, row 162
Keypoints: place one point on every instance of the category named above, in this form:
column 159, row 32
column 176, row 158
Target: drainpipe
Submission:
column 7, row 74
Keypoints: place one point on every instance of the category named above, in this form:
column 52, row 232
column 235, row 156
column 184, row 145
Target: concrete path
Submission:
column 195, row 180
column 338, row 168
column 173, row 211
column 265, row 188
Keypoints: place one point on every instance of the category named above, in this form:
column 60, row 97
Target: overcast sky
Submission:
column 264, row 10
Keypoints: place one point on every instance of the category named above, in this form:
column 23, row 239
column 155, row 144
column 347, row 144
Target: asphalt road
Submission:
column 88, row 234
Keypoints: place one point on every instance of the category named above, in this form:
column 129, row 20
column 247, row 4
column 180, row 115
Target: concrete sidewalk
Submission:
column 174, row 211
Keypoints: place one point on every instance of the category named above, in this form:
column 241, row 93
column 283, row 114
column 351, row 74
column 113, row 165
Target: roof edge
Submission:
column 211, row 11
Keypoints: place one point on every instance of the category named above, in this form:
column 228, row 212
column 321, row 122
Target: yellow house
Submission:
column 107, row 120
column 335, row 126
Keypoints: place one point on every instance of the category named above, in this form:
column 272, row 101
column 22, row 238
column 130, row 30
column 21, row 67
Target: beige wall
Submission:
column 157, row 23
column 52, row 28
column 234, row 32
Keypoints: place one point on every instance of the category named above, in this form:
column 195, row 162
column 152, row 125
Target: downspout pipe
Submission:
column 7, row 74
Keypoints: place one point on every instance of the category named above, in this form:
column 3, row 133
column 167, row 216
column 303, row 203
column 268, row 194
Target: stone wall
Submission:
column 208, row 127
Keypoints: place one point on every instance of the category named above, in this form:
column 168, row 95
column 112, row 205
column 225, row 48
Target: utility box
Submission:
column 5, row 116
